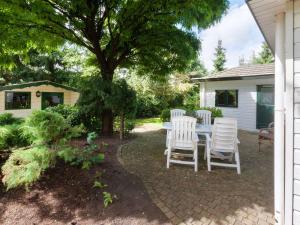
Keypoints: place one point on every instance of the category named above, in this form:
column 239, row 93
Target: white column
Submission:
column 202, row 94
column 279, row 118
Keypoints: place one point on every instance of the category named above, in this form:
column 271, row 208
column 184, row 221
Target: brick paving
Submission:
column 220, row 197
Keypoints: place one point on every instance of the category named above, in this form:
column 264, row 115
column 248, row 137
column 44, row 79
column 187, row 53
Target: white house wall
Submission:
column 297, row 113
column 245, row 113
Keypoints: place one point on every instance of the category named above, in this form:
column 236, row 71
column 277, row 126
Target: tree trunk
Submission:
column 122, row 122
column 107, row 122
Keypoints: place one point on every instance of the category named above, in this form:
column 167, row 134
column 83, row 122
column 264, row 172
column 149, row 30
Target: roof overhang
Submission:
column 35, row 84
column 234, row 78
column 264, row 13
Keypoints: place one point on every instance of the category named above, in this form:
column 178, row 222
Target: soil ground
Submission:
column 65, row 195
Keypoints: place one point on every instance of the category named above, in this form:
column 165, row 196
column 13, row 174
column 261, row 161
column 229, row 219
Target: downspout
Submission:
column 279, row 131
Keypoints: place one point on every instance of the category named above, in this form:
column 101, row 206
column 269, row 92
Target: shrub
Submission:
column 71, row 113
column 85, row 157
column 49, row 128
column 129, row 125
column 7, row 119
column 26, row 166
column 215, row 112
column 165, row 115
column 11, row 136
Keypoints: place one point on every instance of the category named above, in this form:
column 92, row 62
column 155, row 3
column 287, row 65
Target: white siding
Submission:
column 246, row 111
column 297, row 113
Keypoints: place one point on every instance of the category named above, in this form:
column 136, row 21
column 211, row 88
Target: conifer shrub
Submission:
column 24, row 167
column 48, row 134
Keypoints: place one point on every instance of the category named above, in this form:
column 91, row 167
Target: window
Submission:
column 227, row 98
column 50, row 99
column 17, row 100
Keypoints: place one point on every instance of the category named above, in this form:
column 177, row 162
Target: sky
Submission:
column 239, row 34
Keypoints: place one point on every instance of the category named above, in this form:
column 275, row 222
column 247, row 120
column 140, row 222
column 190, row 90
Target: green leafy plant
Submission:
column 85, row 157
column 99, row 184
column 165, row 115
column 69, row 112
column 7, row 119
column 108, row 198
column 26, row 166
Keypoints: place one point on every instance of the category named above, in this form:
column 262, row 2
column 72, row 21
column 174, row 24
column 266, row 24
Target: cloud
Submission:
column 239, row 34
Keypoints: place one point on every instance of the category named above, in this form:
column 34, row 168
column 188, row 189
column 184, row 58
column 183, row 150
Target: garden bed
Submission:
column 65, row 195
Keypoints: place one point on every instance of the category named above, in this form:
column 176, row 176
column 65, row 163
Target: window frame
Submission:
column 226, row 105
column 7, row 92
column 52, row 93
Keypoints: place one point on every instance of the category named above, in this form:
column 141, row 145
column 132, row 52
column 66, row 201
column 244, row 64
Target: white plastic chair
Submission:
column 183, row 137
column 206, row 120
column 173, row 114
column 205, row 115
column 223, row 144
column 177, row 112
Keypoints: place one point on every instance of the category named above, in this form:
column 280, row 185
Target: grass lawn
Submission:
column 142, row 121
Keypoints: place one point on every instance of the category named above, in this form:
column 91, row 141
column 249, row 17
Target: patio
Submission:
column 218, row 197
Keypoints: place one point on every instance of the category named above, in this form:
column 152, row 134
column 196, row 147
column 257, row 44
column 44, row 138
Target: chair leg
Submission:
column 259, row 142
column 205, row 152
column 196, row 159
column 237, row 159
column 208, row 162
column 168, row 157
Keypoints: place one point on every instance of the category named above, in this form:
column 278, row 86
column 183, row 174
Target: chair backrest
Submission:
column 224, row 135
column 183, row 131
column 177, row 112
column 205, row 115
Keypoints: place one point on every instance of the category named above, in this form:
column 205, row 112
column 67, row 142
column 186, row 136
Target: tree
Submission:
column 34, row 65
column 265, row 56
column 220, row 57
column 123, row 102
column 155, row 35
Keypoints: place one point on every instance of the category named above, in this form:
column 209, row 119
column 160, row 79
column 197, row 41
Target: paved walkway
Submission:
column 219, row 197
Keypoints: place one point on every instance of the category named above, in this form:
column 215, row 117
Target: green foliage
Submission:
column 220, row 57
column 49, row 128
column 69, row 112
column 12, row 136
column 165, row 115
column 85, row 157
column 156, row 38
column 34, row 65
column 7, row 118
column 99, row 184
column 107, row 199
column 128, row 125
column 215, row 112
column 26, row 166
column 265, row 56
column 49, row 134
column 191, row 99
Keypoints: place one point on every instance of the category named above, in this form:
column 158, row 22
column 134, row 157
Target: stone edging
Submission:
column 168, row 213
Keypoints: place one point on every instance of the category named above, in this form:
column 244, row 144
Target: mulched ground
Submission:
column 65, row 195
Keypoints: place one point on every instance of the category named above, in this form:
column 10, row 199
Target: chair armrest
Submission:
column 195, row 138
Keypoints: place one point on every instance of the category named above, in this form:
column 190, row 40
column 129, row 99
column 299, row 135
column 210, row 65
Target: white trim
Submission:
column 289, row 116
column 279, row 118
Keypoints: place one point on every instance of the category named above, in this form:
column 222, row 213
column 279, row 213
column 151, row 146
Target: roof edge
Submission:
column 252, row 77
column 36, row 84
